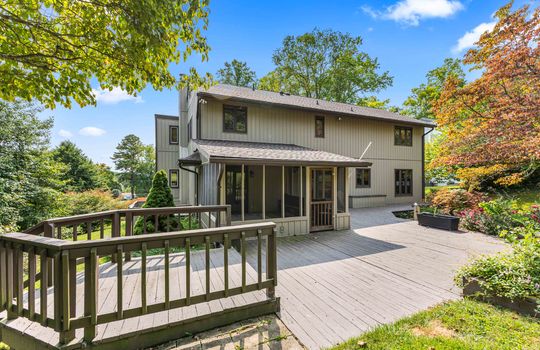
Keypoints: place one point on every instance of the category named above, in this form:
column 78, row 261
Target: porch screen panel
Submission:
column 341, row 173
column 273, row 188
column 292, row 191
column 253, row 196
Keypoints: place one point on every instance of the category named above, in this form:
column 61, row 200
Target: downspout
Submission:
column 423, row 163
column 196, row 181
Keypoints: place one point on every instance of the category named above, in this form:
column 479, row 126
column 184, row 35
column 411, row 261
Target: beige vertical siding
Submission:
column 348, row 136
column 166, row 154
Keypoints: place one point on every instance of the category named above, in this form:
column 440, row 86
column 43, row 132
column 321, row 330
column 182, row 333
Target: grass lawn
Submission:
column 525, row 197
column 464, row 324
column 430, row 189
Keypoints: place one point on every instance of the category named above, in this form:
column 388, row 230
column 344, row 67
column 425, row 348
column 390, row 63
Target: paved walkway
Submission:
column 336, row 285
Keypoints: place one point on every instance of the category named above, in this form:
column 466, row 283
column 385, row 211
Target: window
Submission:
column 234, row 119
column 402, row 136
column 173, row 134
column 363, row 178
column 319, row 126
column 173, row 178
column 403, row 180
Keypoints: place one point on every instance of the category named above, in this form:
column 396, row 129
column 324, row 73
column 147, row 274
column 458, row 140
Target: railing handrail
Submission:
column 137, row 211
column 55, row 244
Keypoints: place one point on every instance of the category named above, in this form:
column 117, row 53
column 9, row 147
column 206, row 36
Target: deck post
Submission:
column 115, row 231
column 271, row 263
column 10, row 285
column 91, row 293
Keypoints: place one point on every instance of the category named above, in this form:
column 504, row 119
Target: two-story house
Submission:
column 300, row 162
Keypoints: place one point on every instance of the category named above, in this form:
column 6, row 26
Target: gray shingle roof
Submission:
column 219, row 151
column 222, row 91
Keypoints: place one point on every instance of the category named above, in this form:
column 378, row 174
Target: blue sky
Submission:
column 409, row 37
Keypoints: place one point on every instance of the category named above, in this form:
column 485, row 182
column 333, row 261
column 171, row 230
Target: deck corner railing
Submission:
column 57, row 260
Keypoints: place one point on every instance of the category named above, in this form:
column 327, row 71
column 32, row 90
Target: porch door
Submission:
column 322, row 199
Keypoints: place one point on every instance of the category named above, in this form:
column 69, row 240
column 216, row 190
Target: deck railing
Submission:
column 18, row 295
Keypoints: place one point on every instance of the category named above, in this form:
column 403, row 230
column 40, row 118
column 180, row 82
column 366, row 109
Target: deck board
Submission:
column 337, row 285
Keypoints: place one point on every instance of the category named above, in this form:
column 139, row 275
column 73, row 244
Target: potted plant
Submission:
column 440, row 221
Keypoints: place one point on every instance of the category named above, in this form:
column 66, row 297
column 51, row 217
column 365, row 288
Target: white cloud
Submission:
column 412, row 11
column 471, row 37
column 116, row 95
column 92, row 131
column 65, row 133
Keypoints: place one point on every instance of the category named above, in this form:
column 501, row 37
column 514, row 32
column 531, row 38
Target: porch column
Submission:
column 301, row 190
column 282, row 191
column 242, row 193
column 308, row 197
column 347, row 175
column 334, row 206
column 264, row 192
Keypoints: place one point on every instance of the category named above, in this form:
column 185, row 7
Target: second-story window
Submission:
column 173, row 134
column 190, row 130
column 235, row 119
column 319, row 126
column 402, row 136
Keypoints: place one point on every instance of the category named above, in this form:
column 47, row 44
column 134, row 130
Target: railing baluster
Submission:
column 58, row 299
column 44, row 267
column 144, row 224
column 167, row 276
column 59, row 232
column 168, row 222
column 102, row 229
column 218, row 218
column 129, row 232
column 190, row 223
column 10, row 282
column 226, row 263
column 3, row 276
column 207, row 265
column 75, row 232
column 31, row 283
column 20, row 279
column 143, row 279
column 119, row 283
column 188, row 271
column 91, row 272
column 48, row 230
column 243, row 252
column 89, row 230
column 259, row 258
column 156, row 223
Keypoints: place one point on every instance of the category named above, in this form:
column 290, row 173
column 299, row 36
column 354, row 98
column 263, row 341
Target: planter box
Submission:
column 443, row 222
column 526, row 306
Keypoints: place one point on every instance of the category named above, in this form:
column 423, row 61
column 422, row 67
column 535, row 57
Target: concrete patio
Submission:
column 336, row 285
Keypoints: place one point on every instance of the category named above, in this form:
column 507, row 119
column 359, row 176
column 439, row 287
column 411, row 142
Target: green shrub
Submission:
column 160, row 196
column 90, row 202
column 512, row 275
column 116, row 193
column 451, row 201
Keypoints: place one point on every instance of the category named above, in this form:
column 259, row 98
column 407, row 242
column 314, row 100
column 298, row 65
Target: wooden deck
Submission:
column 155, row 294
column 332, row 285
column 336, row 285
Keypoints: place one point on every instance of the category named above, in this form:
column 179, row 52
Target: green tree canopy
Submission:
column 30, row 179
column 325, row 64
column 146, row 170
column 50, row 49
column 237, row 73
column 81, row 174
column 128, row 158
column 420, row 103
